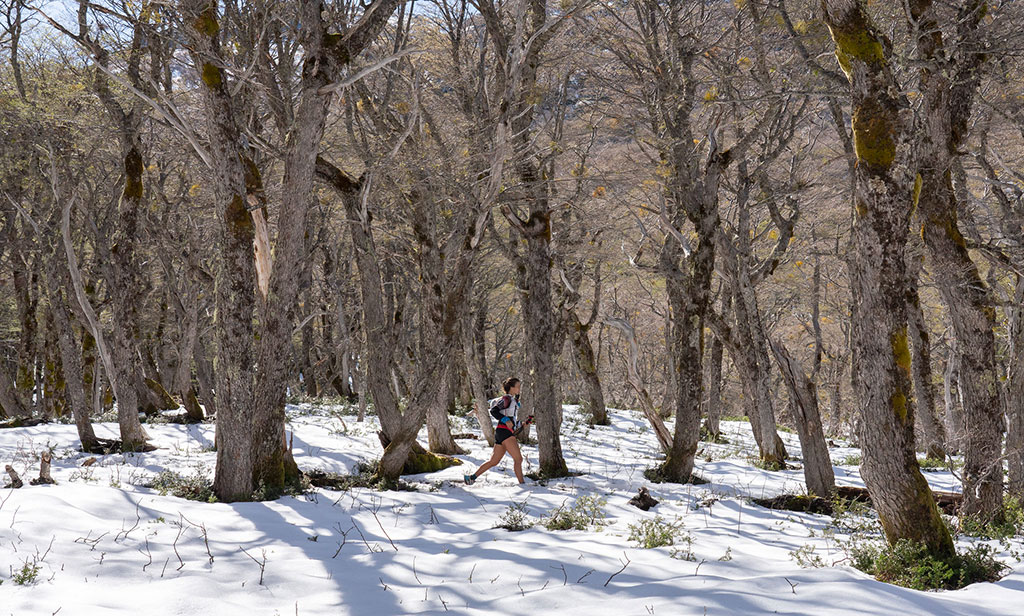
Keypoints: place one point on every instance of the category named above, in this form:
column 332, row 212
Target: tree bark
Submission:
column 1014, row 394
column 234, row 476
column 71, row 360
column 9, row 403
column 954, row 415
column 756, row 375
column 948, row 84
column 803, row 396
column 439, row 433
column 882, row 203
column 713, row 401
column 472, row 337
column 583, row 354
column 933, row 436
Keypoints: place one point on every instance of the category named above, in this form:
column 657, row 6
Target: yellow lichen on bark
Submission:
column 899, row 405
column 212, row 76
column 901, row 350
column 207, row 24
column 856, row 44
column 918, row 182
column 873, row 135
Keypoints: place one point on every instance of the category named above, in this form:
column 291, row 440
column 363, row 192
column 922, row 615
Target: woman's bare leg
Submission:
column 499, row 452
column 512, row 446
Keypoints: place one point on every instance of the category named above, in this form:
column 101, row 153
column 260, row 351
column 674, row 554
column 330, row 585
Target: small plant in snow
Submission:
column 850, row 460
column 515, row 518
column 657, row 532
column 587, row 511
column 27, row 574
column 197, row 486
column 684, row 549
column 805, row 557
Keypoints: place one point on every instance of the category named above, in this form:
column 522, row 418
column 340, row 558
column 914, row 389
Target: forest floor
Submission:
column 100, row 543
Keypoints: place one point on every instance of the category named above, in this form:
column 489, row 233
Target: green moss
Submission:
column 918, row 182
column 427, row 462
column 212, row 76
column 133, row 175
column 860, row 43
column 277, row 476
column 206, row 23
column 899, row 405
column 237, row 216
column 166, row 401
column 873, row 135
column 253, row 177
column 901, row 350
column 954, row 233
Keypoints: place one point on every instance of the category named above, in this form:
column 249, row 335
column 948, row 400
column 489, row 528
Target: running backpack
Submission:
column 497, row 407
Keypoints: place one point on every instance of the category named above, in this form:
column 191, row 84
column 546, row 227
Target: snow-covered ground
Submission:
column 104, row 545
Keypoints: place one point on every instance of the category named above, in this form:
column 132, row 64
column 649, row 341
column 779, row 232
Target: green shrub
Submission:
column 767, row 465
column 515, row 518
column 707, row 437
column 364, row 475
column 195, row 487
column 940, row 464
column 27, row 574
column 909, row 564
column 657, row 532
column 850, row 460
column 587, row 511
column 806, row 558
column 657, row 475
column 1007, row 523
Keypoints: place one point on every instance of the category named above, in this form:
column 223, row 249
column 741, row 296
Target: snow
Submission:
column 105, row 545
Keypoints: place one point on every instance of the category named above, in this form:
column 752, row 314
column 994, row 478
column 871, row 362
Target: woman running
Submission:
column 504, row 409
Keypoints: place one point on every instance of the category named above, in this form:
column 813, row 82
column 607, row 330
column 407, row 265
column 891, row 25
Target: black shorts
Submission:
column 501, row 434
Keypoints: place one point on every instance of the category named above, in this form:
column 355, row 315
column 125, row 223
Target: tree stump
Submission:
column 643, row 500
column 15, row 480
column 44, row 471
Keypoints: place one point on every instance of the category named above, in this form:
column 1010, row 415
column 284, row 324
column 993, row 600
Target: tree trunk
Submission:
column 713, row 401
column 1015, row 394
column 932, row 433
column 878, row 280
column 755, row 376
column 274, row 467
column 183, row 376
column 954, row 415
column 583, row 354
column 688, row 283
column 948, row 87
column 9, row 403
column 538, row 324
column 803, row 396
column 477, row 380
column 75, row 381
column 234, row 477
column 24, row 377
column 439, row 433
column 205, row 378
